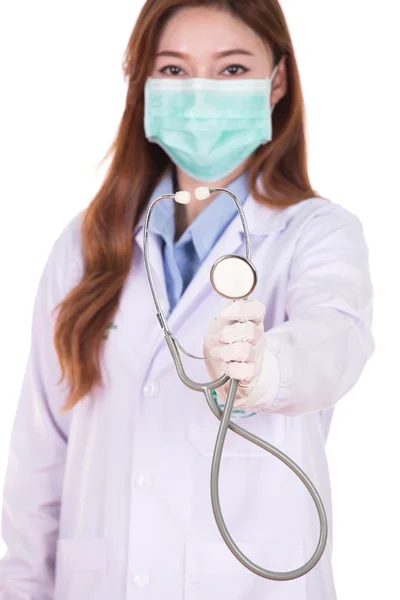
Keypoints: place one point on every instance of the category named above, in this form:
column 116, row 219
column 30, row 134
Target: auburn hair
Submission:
column 136, row 167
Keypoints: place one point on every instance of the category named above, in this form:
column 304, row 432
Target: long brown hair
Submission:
column 136, row 168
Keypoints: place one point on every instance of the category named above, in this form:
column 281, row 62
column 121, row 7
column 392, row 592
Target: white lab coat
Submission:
column 117, row 491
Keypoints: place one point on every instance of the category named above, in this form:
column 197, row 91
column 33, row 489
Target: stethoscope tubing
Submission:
column 224, row 417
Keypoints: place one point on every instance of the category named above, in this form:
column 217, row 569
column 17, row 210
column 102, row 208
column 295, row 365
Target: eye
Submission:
column 233, row 70
column 172, row 70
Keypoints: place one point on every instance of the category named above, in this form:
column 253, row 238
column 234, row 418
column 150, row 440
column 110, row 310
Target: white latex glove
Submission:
column 235, row 341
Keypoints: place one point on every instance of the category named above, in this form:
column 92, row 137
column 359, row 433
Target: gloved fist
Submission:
column 235, row 343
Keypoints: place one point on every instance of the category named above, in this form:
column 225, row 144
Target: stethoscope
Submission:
column 233, row 277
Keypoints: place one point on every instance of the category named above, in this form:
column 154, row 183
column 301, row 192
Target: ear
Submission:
column 280, row 83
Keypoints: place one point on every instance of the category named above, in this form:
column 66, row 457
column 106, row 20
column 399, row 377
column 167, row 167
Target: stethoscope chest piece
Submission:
column 233, row 276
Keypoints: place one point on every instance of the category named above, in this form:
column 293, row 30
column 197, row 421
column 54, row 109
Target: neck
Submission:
column 185, row 214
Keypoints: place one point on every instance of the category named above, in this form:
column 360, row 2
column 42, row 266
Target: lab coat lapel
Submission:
column 261, row 221
column 195, row 295
column 156, row 263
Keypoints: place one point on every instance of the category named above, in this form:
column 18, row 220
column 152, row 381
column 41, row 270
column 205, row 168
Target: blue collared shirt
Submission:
column 182, row 259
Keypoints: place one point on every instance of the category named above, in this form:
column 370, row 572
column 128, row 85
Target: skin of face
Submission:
column 213, row 44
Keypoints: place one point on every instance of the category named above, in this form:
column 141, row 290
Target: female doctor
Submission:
column 107, row 488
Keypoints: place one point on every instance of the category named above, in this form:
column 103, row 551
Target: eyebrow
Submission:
column 223, row 54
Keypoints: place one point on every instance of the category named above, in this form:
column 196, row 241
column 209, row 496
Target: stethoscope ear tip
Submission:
column 182, row 197
column 202, row 193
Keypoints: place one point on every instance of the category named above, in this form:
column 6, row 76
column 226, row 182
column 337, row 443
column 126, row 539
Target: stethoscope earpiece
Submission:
column 201, row 193
column 182, row 197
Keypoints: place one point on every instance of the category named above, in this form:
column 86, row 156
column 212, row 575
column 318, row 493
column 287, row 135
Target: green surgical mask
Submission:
column 208, row 127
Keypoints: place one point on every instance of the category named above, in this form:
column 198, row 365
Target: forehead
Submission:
column 190, row 28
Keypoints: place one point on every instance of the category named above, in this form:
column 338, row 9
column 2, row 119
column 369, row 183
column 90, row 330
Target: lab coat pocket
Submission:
column 81, row 572
column 213, row 573
column 203, row 429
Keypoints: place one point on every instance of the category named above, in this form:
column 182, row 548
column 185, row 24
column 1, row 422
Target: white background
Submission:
column 61, row 100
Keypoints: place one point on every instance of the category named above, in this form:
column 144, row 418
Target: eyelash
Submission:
column 164, row 69
column 243, row 69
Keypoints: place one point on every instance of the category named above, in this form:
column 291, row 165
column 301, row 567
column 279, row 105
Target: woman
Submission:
column 109, row 498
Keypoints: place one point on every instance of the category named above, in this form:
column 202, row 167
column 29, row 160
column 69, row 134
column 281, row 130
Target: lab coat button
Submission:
column 151, row 390
column 140, row 580
column 143, row 483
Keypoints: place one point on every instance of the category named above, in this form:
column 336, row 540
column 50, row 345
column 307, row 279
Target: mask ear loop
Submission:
column 272, row 78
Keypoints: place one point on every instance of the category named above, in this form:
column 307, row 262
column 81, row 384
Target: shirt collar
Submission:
column 208, row 225
column 207, row 228
column 163, row 211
